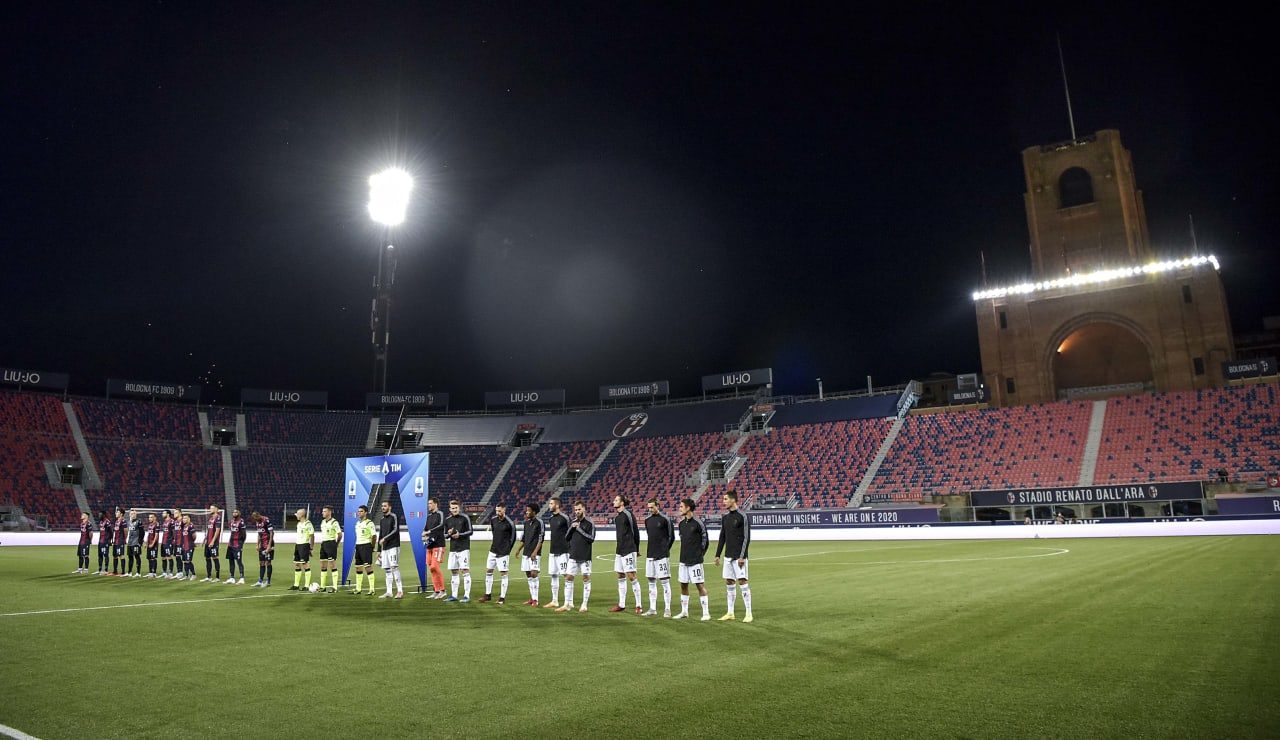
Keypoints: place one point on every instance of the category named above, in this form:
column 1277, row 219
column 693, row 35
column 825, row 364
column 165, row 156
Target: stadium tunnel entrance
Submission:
column 1101, row 355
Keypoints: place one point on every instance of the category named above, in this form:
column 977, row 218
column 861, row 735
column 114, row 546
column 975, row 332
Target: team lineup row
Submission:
column 170, row 545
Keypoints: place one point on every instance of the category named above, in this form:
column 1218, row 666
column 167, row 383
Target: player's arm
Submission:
column 466, row 526
column 706, row 540
column 721, row 542
column 746, row 539
column 537, row 550
column 339, row 540
column 588, row 529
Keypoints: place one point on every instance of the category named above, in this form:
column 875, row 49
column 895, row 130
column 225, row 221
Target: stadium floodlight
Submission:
column 1101, row 276
column 389, row 196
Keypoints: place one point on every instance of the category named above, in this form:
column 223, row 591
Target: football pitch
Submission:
column 1150, row 637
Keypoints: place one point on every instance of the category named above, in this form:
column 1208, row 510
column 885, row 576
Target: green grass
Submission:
column 1153, row 637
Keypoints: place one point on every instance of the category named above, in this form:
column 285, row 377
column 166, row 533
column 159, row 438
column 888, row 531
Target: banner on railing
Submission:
column 1090, row 494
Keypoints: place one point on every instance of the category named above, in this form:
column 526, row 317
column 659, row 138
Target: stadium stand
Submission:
column 33, row 430
column 1018, row 446
column 649, row 467
column 1191, row 434
column 820, row 463
column 151, row 453
column 137, row 420
column 534, row 468
column 465, row 472
column 347, row 430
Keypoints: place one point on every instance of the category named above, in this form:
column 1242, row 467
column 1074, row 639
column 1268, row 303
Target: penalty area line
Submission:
column 7, row 731
column 131, row 606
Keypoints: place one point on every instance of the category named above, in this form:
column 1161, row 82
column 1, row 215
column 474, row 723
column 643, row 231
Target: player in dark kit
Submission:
column 106, row 533
column 457, row 528
column 530, row 549
column 657, row 562
column 187, row 541
column 582, row 533
column 212, row 539
column 152, row 541
column 627, row 552
column 735, row 538
column 389, row 549
column 504, row 537
column 134, row 568
column 558, row 560
column 118, row 544
column 82, row 547
column 433, row 537
column 167, row 538
column 266, row 549
column 693, row 548
column 235, row 547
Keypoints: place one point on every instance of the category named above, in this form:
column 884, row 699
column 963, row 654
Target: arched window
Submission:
column 1075, row 187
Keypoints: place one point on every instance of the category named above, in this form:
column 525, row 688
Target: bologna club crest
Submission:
column 631, row 424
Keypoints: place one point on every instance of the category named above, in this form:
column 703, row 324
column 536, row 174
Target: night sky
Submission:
column 607, row 192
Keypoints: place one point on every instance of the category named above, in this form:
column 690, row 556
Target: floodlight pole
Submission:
column 380, row 321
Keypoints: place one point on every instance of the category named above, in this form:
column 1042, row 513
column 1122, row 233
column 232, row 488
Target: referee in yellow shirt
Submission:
column 330, row 536
column 302, row 551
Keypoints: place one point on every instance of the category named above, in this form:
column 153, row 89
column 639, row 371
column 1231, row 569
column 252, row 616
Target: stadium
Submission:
column 1075, row 539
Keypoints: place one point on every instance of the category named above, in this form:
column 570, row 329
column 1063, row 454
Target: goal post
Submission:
column 199, row 518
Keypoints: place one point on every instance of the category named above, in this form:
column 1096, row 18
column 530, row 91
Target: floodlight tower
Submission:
column 388, row 200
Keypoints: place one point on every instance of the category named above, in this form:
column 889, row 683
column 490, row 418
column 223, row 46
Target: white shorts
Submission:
column 732, row 571
column 692, row 573
column 625, row 563
column 502, row 564
column 579, row 566
column 389, row 558
column 657, row 568
column 558, row 565
column 527, row 563
column 460, row 560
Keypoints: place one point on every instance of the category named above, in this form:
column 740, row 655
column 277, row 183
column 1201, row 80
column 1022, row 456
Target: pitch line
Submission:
column 130, row 606
column 8, row 731
column 1052, row 552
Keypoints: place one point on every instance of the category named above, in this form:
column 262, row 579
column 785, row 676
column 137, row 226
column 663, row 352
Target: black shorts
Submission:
column 266, row 556
column 83, row 551
column 364, row 554
column 187, row 553
column 234, row 554
column 151, row 553
column 329, row 550
column 104, row 549
column 118, row 550
column 211, row 552
column 166, row 551
column 135, row 550
column 302, row 553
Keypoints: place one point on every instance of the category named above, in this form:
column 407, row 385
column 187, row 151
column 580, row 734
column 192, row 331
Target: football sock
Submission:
column 555, row 588
column 653, row 596
column 666, row 594
column 745, row 590
column 453, row 585
column 706, row 606
column 488, row 584
column 359, row 580
column 217, row 569
column 466, row 586
column 399, row 584
column 635, row 590
column 503, row 593
column 622, row 592
column 270, row 567
column 586, row 593
column 297, row 578
column 568, row 593
column 684, row 604
column 306, row 578
column 732, row 592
